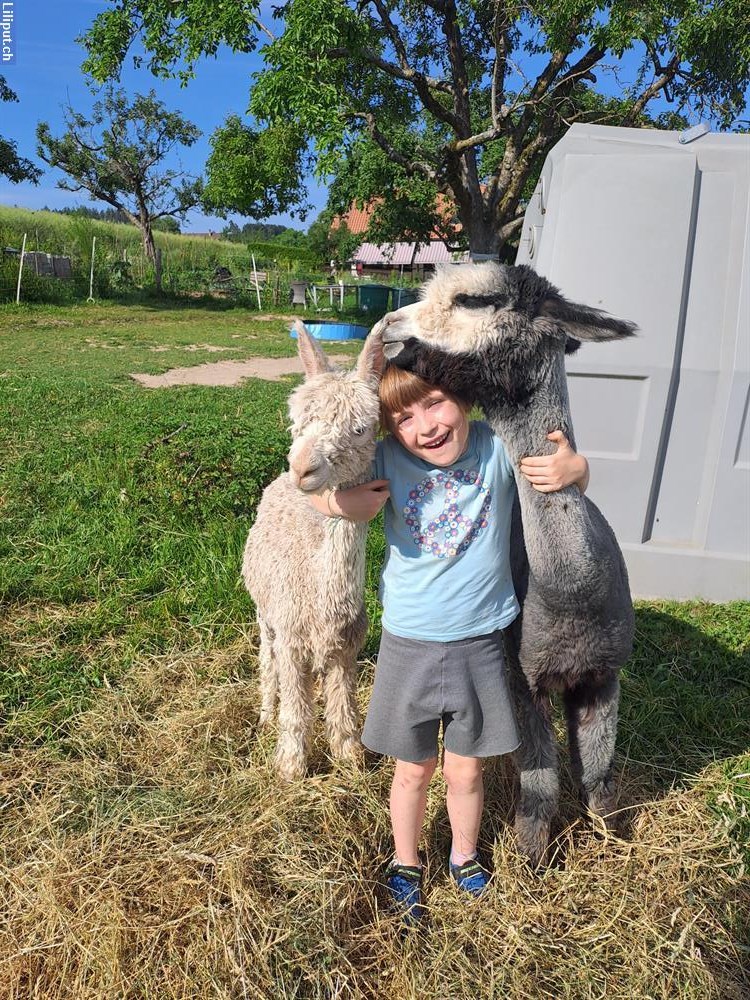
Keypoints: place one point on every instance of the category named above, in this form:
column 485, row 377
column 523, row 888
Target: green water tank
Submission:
column 374, row 298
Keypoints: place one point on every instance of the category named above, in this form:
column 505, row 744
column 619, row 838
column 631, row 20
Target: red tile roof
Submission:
column 358, row 219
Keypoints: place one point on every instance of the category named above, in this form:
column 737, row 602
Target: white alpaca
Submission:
column 305, row 571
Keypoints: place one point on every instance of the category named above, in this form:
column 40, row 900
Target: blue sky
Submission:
column 46, row 76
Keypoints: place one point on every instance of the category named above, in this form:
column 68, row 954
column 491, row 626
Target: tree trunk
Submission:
column 484, row 238
column 149, row 247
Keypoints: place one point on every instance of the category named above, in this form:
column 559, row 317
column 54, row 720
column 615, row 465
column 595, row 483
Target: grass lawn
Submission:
column 148, row 850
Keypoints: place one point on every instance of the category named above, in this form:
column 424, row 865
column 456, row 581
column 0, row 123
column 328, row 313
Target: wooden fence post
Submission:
column 20, row 269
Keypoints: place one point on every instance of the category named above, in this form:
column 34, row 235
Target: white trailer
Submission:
column 656, row 230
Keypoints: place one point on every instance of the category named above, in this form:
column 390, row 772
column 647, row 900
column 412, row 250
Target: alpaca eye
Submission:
column 359, row 431
column 478, row 301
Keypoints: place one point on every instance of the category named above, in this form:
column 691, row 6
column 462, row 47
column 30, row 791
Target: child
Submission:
column 447, row 593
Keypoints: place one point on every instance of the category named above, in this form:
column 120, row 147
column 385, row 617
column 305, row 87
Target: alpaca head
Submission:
column 334, row 416
column 487, row 330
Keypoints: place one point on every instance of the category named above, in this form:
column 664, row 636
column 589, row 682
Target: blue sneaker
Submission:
column 404, row 885
column 470, row 877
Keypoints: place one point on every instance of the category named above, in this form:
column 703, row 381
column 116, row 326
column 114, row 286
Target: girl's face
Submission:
column 436, row 429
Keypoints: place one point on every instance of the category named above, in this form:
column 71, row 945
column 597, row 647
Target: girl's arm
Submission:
column 548, row 473
column 359, row 503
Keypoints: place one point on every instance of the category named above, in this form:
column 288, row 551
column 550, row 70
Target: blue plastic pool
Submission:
column 334, row 331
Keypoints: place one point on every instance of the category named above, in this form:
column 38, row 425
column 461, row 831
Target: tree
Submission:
column 167, row 224
column 265, row 232
column 118, row 154
column 16, row 168
column 401, row 100
column 329, row 243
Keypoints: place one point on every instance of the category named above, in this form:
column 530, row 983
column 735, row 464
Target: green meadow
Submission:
column 149, row 851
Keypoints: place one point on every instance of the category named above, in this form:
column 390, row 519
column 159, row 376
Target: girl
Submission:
column 447, row 593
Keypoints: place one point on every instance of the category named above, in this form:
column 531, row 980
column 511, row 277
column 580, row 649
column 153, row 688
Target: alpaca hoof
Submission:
column 265, row 717
column 532, row 840
column 348, row 749
column 289, row 767
column 605, row 820
column 602, row 806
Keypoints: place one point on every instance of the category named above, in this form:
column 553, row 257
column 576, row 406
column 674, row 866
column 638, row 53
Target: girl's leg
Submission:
column 464, row 801
column 408, row 802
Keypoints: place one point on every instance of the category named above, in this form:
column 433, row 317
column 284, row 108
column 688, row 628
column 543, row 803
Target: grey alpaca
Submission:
column 498, row 336
column 305, row 571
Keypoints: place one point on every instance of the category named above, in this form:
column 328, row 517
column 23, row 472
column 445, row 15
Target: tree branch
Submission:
column 652, row 90
column 407, row 73
column 502, row 45
column 423, row 85
column 452, row 32
column 412, row 166
column 512, row 227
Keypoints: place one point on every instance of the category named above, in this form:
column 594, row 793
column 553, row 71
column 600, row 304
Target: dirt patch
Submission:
column 228, row 372
column 209, row 348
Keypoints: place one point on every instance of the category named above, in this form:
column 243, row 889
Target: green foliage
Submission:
column 16, row 168
column 167, row 224
column 180, row 31
column 255, row 173
column 403, row 100
column 265, row 232
column 331, row 244
column 271, row 253
column 103, row 214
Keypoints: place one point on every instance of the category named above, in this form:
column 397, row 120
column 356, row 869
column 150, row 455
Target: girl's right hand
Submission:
column 359, row 503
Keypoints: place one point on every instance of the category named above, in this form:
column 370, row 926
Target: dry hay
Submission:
column 155, row 855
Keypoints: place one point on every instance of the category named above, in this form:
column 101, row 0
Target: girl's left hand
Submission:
column 565, row 467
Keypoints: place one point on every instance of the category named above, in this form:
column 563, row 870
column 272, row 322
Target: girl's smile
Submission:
column 436, row 429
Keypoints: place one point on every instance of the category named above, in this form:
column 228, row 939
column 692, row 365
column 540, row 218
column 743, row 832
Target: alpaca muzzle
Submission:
column 308, row 469
column 397, row 327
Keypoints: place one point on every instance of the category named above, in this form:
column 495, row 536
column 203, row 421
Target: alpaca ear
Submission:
column 310, row 352
column 371, row 359
column 582, row 323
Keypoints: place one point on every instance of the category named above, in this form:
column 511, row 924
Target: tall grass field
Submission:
column 120, row 265
column 148, row 849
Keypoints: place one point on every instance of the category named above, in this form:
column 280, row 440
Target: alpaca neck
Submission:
column 524, row 414
column 556, row 525
column 342, row 559
column 341, row 575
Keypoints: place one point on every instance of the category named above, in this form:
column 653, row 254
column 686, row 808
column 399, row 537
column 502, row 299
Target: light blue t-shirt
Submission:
column 446, row 573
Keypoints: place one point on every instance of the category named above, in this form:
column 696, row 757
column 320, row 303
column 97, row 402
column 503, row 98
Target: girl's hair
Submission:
column 400, row 389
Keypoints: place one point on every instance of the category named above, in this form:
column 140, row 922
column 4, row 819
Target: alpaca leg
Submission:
column 591, row 711
column 295, row 711
column 536, row 757
column 539, row 787
column 267, row 671
column 339, row 673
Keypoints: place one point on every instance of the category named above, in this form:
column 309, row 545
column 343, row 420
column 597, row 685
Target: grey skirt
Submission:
column 422, row 685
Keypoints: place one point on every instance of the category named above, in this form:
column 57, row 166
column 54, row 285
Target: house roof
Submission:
column 435, row 252
column 393, row 254
column 358, row 219
column 405, row 254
